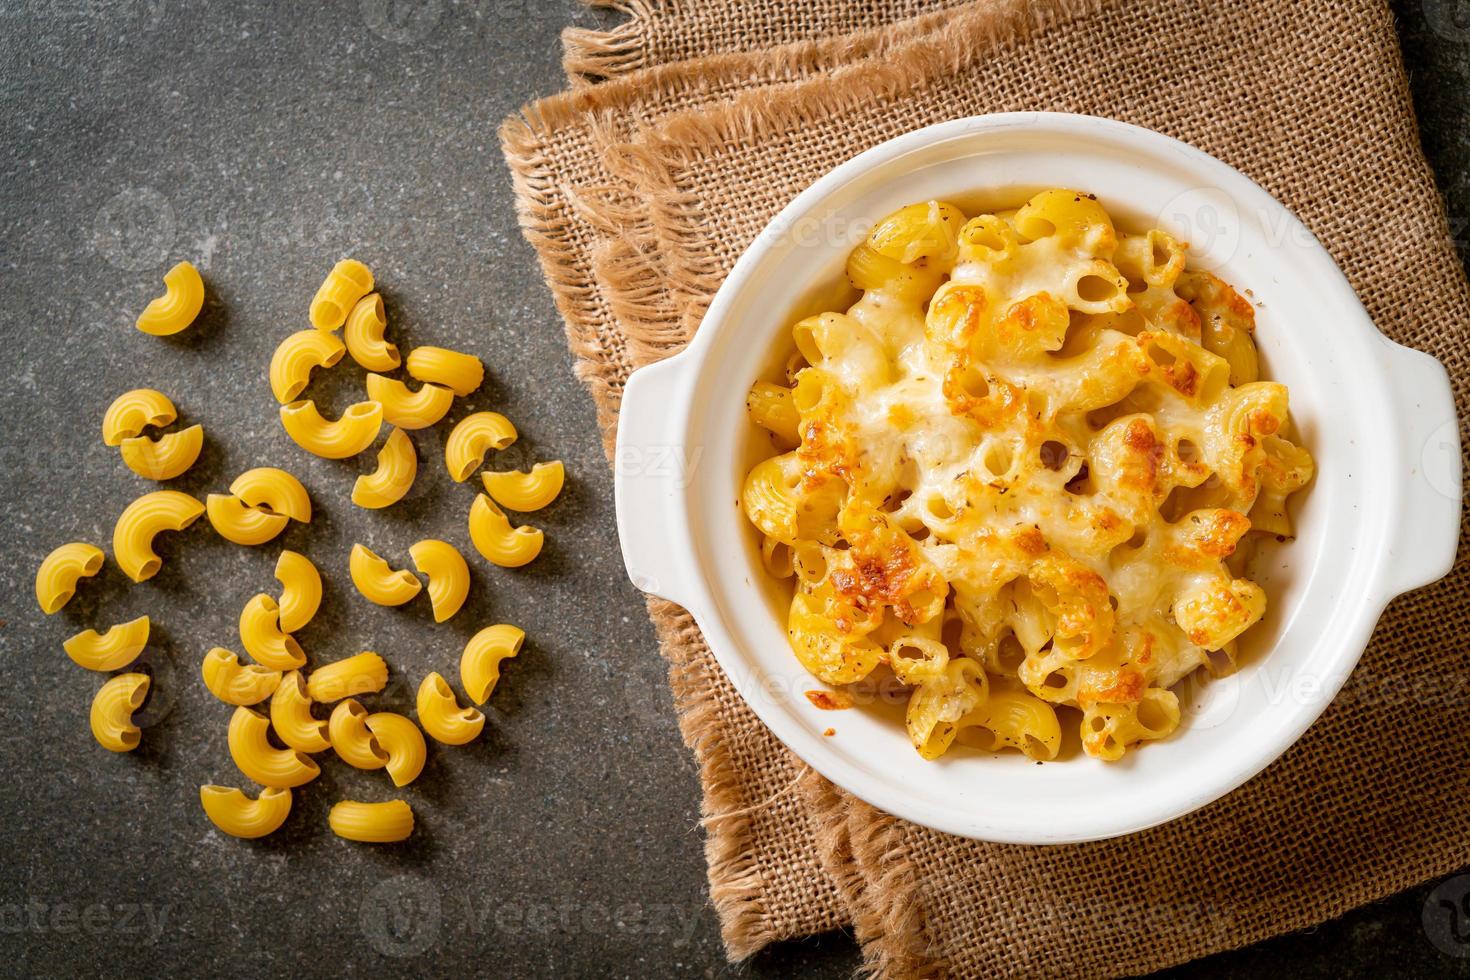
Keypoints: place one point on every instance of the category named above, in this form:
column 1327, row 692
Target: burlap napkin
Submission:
column 639, row 194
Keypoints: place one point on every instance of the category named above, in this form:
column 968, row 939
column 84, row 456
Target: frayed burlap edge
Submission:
column 589, row 54
column 690, row 274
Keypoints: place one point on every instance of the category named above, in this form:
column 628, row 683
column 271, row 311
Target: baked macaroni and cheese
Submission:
column 1017, row 474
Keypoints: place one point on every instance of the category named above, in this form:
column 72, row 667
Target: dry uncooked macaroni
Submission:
column 472, row 438
column 448, row 574
column 238, row 815
column 364, row 336
column 479, row 665
column 109, row 651
column 347, row 436
column 297, row 356
column 398, row 464
column 409, row 409
column 348, row 282
column 178, row 306
column 274, row 490
column 526, row 491
column 1015, row 472
column 57, row 577
column 441, row 715
column 462, row 373
column 380, row 583
column 141, row 521
column 112, row 712
column 240, row 523
column 500, row 543
column 372, row 823
column 301, row 591
column 365, row 673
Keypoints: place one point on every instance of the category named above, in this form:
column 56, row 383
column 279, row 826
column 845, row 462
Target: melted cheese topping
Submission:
column 1027, row 451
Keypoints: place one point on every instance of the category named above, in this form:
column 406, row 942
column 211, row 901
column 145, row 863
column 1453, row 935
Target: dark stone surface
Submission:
column 263, row 141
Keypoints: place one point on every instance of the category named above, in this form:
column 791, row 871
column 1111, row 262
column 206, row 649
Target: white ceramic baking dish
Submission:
column 1382, row 516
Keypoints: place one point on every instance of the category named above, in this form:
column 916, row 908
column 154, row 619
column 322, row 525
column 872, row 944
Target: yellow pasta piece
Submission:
column 301, row 590
column 112, row 712
column 409, row 409
column 380, row 583
column 236, row 683
column 401, row 739
column 347, row 436
column 296, row 357
column 462, row 373
column 348, row 282
column 275, row 490
column 261, row 761
column 501, row 544
column 170, row 455
column 133, row 411
column 449, row 576
column 773, row 408
column 351, row 739
column 479, row 665
column 441, row 715
column 372, row 823
column 472, row 438
column 292, row 719
column 263, row 638
column 239, row 522
column 109, row 651
column 398, row 464
column 59, row 572
column 238, row 815
column 364, row 673
column 364, row 336
column 526, row 491
column 141, row 521
column 178, row 306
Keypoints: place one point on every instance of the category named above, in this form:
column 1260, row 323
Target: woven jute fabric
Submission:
column 656, row 32
column 640, row 193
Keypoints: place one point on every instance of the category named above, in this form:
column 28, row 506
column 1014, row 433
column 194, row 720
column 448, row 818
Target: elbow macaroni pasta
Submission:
column 178, row 306
column 261, row 761
column 347, row 436
column 378, row 582
column 1012, row 472
column 292, row 719
column 401, row 739
column 448, row 575
column 348, row 282
column 263, row 638
column 301, row 591
column 526, row 492
column 353, row 741
column 166, row 457
column 364, row 336
column 270, row 489
column 398, row 465
column 238, row 815
column 409, row 409
column 364, row 673
column 133, row 411
column 238, row 522
column 236, row 683
column 499, row 542
column 472, row 438
column 57, row 577
column 141, row 521
column 297, row 356
column 479, row 665
column 372, row 823
column 441, row 715
column 112, row 712
column 109, row 651
column 461, row 373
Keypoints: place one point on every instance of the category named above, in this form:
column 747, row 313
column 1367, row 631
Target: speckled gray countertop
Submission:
column 262, row 141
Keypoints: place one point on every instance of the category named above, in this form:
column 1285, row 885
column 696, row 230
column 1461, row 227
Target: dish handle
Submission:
column 652, row 469
column 1427, row 529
